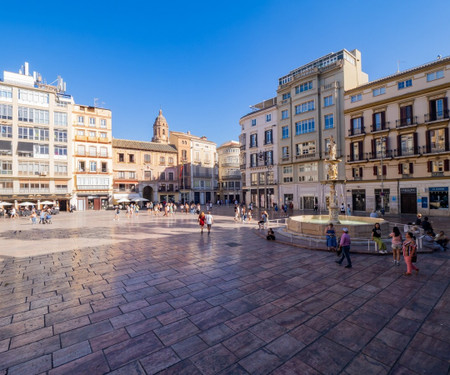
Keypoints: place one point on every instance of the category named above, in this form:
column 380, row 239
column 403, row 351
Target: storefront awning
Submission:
column 25, row 147
column 6, row 146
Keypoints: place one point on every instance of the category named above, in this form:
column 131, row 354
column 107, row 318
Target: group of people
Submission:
column 242, row 213
column 205, row 219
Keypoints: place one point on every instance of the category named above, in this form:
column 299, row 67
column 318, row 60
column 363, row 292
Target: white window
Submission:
column 40, row 150
column 91, row 121
column 60, row 118
column 92, row 134
column 132, row 175
column 61, row 150
column 5, row 131
column 305, row 107
column 103, row 123
column 329, row 122
column 121, row 174
column 404, row 84
column 103, row 152
column 379, row 91
column 103, row 135
column 61, row 136
column 80, row 120
column 33, row 97
column 356, row 98
column 435, row 75
column 6, row 111
column 5, row 93
column 92, row 151
column 327, row 101
column 80, row 132
column 81, row 150
column 92, row 166
column 305, row 148
column 37, row 116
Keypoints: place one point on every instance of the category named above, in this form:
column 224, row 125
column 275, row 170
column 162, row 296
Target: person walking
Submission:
column 376, row 237
column 409, row 252
column 331, row 237
column 349, row 210
column 344, row 244
column 209, row 221
column 201, row 221
column 397, row 241
column 116, row 215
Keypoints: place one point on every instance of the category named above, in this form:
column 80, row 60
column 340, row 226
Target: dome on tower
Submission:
column 160, row 120
column 160, row 129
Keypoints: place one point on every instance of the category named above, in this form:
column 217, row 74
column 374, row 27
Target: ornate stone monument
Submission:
column 332, row 166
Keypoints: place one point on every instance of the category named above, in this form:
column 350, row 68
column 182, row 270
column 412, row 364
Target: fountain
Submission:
column 314, row 225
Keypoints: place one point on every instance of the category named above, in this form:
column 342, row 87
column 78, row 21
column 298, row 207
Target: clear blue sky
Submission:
column 205, row 62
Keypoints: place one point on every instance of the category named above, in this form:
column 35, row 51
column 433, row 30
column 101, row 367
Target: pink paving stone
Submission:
column 35, row 366
column 94, row 363
column 30, row 314
column 70, row 313
column 143, row 326
column 71, row 353
column 108, row 339
column 126, row 319
column 71, row 324
column 104, row 314
column 132, row 349
column 15, row 329
column 4, row 345
column 85, row 333
column 30, row 337
column 159, row 361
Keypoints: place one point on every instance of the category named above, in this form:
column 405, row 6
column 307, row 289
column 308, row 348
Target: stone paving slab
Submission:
column 151, row 295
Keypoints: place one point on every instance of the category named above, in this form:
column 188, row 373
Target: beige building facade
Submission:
column 397, row 142
column 310, row 104
column 92, row 158
column 228, row 156
column 259, row 155
column 35, row 140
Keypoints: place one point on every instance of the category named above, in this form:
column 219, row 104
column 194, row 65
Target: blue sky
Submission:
column 205, row 62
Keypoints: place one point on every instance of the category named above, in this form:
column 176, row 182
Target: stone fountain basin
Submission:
column 358, row 226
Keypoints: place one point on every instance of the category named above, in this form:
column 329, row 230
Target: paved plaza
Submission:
column 147, row 295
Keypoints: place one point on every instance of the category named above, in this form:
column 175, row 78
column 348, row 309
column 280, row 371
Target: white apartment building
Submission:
column 259, row 154
column 92, row 161
column 310, row 101
column 35, row 140
column 228, row 155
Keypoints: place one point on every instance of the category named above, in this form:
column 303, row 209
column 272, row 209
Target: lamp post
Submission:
column 382, row 147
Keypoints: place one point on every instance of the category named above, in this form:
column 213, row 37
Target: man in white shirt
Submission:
column 209, row 220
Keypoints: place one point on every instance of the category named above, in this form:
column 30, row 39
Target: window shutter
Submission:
column 373, row 148
column 353, row 172
column 432, row 110
column 352, row 156
column 428, row 140
column 402, row 115
column 447, row 145
column 400, row 169
column 362, row 124
column 375, row 170
column 416, row 146
column 361, row 151
column 411, row 168
column 429, row 166
column 373, row 122
column 445, row 106
column 384, row 171
column 383, row 120
column 399, row 145
column 446, row 165
column 360, row 171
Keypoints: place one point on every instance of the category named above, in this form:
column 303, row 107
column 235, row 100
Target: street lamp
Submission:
column 383, row 148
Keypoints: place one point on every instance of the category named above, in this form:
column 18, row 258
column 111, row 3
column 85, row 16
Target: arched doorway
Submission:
column 148, row 193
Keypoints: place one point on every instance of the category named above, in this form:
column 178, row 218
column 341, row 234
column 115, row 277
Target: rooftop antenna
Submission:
column 95, row 102
column 439, row 57
column 398, row 65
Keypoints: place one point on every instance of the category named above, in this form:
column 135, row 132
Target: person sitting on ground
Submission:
column 426, row 225
column 428, row 242
column 442, row 239
column 270, row 235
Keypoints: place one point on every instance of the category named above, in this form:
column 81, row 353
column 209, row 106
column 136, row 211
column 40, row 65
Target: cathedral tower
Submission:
column 160, row 129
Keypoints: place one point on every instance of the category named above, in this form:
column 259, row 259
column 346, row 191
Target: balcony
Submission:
column 378, row 155
column 353, row 158
column 81, row 138
column 380, row 127
column 410, row 151
column 242, row 166
column 356, row 131
column 438, row 116
column 285, row 157
column 405, row 122
column 311, row 155
column 103, row 140
column 92, row 139
column 437, row 174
